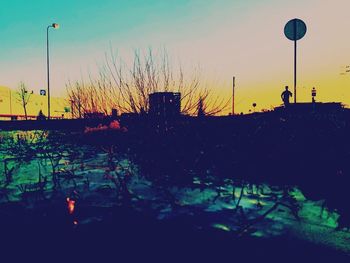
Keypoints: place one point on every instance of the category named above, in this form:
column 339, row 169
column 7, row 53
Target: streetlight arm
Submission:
column 48, row 71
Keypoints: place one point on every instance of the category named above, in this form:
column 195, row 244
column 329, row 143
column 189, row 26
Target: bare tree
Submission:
column 23, row 97
column 152, row 73
column 127, row 88
column 209, row 104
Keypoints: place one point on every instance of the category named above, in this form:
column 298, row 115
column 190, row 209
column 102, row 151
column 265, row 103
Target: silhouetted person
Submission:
column 41, row 116
column 285, row 96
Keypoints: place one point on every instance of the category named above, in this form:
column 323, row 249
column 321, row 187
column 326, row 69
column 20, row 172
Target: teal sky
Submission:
column 88, row 28
column 225, row 37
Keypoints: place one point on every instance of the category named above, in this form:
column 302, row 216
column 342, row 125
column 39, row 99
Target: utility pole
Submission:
column 233, row 95
column 10, row 101
column 295, row 61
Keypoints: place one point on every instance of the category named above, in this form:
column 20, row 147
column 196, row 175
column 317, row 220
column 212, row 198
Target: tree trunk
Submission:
column 25, row 112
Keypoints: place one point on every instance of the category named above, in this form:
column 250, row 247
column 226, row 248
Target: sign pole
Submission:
column 295, row 30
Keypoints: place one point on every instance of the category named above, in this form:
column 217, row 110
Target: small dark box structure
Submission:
column 165, row 104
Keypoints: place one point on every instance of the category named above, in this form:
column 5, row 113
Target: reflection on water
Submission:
column 70, row 205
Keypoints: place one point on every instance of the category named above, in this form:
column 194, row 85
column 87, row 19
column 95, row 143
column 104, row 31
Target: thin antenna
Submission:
column 295, row 60
column 233, row 95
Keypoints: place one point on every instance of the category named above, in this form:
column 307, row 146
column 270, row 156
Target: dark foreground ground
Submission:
column 129, row 236
column 308, row 151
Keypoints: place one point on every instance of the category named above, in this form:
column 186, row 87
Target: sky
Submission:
column 241, row 38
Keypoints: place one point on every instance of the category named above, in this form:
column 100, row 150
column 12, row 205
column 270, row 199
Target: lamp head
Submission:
column 55, row 25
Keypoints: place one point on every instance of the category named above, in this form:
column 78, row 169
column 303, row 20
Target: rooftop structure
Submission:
column 165, row 104
column 312, row 106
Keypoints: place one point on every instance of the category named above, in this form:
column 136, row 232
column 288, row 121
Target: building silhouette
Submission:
column 165, row 104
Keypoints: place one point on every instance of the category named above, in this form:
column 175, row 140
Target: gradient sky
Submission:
column 225, row 37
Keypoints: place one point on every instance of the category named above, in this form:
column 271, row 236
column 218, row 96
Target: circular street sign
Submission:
column 295, row 29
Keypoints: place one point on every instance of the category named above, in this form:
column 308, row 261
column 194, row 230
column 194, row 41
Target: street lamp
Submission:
column 55, row 26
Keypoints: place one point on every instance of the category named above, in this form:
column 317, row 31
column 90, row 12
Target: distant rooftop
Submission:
column 309, row 106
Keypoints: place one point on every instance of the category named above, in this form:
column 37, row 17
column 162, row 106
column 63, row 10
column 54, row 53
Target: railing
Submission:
column 23, row 117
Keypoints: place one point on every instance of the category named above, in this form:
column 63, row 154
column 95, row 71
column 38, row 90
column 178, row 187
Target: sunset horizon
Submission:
column 223, row 39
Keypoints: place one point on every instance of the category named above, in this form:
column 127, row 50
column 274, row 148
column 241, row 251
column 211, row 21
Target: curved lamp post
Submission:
column 55, row 26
